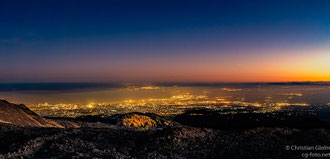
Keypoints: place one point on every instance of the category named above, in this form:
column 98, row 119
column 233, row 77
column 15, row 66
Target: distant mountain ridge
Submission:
column 20, row 115
column 79, row 86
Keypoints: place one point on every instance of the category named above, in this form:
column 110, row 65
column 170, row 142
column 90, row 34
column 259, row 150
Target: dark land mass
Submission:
column 100, row 86
column 194, row 134
column 301, row 119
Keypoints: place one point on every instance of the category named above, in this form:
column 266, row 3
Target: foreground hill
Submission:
column 20, row 115
column 194, row 134
column 171, row 142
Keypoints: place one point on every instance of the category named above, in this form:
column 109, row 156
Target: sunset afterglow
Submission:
column 156, row 42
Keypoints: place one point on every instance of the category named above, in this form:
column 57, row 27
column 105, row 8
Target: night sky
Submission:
column 164, row 41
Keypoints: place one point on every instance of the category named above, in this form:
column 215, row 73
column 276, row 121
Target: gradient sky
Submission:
column 164, row 41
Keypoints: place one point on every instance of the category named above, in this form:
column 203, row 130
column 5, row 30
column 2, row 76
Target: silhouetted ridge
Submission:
column 20, row 115
column 216, row 119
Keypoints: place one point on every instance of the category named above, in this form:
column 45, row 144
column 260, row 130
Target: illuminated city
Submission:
column 181, row 100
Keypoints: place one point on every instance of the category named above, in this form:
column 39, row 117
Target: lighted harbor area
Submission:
column 164, row 107
column 170, row 100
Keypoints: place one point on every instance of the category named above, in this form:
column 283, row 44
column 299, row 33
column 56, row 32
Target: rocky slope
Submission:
column 24, row 134
column 171, row 142
column 20, row 115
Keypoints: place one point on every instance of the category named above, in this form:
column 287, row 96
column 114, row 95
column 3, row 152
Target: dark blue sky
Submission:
column 70, row 40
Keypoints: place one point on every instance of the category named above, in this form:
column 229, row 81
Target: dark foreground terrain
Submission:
column 194, row 134
column 175, row 142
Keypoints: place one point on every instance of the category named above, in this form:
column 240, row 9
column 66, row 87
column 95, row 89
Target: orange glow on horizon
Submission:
column 262, row 66
column 307, row 65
